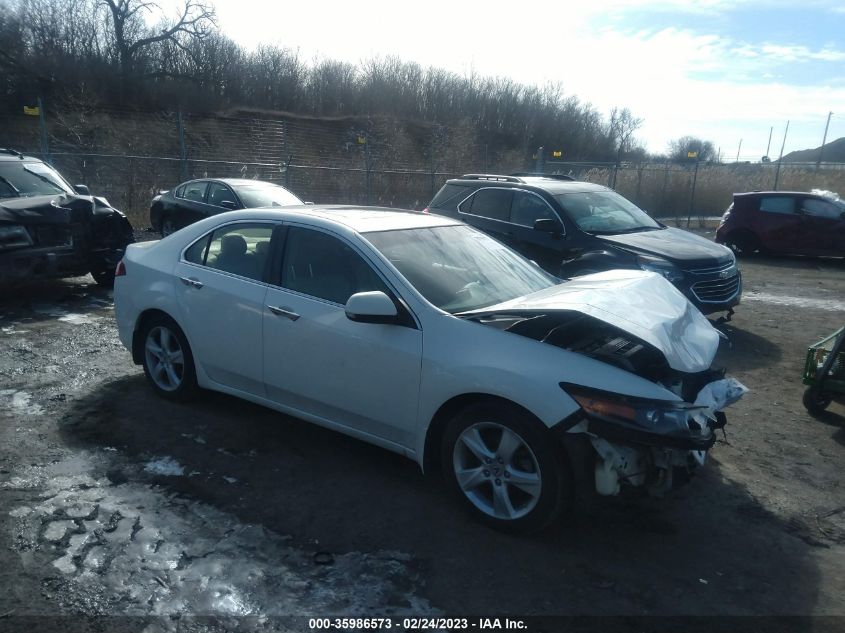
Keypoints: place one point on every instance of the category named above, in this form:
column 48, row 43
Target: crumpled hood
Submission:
column 641, row 303
column 51, row 209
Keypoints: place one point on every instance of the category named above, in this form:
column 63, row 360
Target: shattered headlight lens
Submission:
column 664, row 417
column 13, row 236
column 661, row 267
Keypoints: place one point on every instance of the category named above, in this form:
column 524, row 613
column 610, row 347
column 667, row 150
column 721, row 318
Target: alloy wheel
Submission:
column 165, row 358
column 497, row 470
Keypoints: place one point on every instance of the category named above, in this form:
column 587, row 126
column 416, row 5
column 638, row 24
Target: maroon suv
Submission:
column 784, row 222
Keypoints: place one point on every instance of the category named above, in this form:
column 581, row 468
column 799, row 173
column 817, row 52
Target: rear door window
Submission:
column 490, row 203
column 777, row 204
column 239, row 249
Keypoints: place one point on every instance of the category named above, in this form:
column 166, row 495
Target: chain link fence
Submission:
column 129, row 157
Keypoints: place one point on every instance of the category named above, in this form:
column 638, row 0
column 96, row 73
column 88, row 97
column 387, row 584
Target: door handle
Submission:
column 191, row 282
column 293, row 316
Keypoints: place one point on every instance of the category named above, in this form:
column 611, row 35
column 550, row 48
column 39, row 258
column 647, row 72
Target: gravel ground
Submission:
column 114, row 502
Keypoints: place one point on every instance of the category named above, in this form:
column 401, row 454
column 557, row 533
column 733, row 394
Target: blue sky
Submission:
column 722, row 70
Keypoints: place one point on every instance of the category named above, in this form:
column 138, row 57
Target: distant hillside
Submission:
column 834, row 152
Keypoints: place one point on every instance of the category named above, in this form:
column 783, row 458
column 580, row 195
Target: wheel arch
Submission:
column 434, row 434
column 143, row 318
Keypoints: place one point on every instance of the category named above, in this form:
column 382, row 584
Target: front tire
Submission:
column 505, row 468
column 167, row 359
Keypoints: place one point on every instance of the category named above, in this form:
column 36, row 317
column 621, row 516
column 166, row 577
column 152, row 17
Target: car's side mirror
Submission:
column 546, row 225
column 228, row 204
column 371, row 307
column 82, row 190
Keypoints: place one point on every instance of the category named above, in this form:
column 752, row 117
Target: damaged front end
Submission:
column 61, row 236
column 641, row 324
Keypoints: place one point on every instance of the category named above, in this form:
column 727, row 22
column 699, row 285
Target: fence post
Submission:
column 287, row 171
column 183, row 152
column 541, row 160
column 663, row 193
column 45, row 140
column 368, row 166
column 692, row 194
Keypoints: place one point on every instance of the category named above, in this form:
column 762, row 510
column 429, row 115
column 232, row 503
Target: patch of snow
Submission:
column 831, row 305
column 79, row 319
column 166, row 466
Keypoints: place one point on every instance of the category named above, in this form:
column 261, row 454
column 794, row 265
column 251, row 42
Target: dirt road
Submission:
column 114, row 502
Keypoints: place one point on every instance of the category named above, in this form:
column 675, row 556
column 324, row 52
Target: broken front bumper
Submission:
column 616, row 441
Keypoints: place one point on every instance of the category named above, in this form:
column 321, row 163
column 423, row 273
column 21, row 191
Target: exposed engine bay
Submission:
column 583, row 334
column 635, row 442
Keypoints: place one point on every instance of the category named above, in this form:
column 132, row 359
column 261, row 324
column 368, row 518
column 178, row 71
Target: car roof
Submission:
column 232, row 181
column 549, row 183
column 10, row 155
column 778, row 193
column 361, row 219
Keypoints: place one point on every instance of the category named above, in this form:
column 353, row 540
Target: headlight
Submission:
column 663, row 417
column 661, row 267
column 14, row 236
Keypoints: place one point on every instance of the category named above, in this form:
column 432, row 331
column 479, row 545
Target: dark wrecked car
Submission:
column 50, row 229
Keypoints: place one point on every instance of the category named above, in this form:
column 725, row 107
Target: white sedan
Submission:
column 422, row 335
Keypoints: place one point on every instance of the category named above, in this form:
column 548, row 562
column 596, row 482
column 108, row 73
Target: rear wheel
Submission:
column 505, row 468
column 743, row 243
column 168, row 226
column 815, row 401
column 104, row 277
column 167, row 359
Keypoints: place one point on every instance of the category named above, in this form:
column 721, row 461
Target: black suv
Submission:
column 50, row 228
column 575, row 228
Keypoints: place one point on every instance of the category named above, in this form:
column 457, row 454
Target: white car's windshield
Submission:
column 265, row 195
column 19, row 179
column 605, row 212
column 458, row 268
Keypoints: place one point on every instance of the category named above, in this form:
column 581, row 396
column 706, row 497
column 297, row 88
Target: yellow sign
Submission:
column 557, row 153
column 31, row 111
column 692, row 154
column 362, row 140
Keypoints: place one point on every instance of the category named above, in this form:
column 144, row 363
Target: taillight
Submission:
column 120, row 271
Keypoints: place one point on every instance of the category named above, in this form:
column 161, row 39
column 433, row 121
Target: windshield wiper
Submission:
column 634, row 229
column 10, row 186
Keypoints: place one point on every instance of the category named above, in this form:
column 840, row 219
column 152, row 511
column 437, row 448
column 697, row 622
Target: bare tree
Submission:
column 196, row 20
column 623, row 124
column 681, row 148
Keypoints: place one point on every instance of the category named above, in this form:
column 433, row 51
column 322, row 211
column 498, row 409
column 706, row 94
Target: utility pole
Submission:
column 768, row 147
column 777, row 171
column 824, row 140
column 738, row 149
